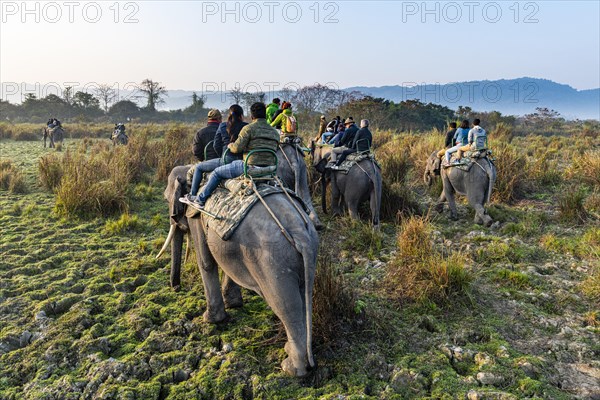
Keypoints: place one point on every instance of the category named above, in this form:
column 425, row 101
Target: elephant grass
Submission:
column 11, row 177
column 422, row 273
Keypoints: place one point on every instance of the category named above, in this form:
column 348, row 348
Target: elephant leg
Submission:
column 292, row 314
column 439, row 206
column 449, row 193
column 481, row 218
column 215, row 306
column 374, row 203
column 335, row 199
column 231, row 293
column 353, row 209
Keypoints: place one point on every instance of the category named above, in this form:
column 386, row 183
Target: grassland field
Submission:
column 507, row 312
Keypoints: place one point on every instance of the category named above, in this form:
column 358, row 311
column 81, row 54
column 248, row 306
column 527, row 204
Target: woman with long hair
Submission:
column 226, row 133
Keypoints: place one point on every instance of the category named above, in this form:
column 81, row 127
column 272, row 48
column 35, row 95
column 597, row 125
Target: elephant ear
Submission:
column 320, row 167
column 436, row 164
column 176, row 208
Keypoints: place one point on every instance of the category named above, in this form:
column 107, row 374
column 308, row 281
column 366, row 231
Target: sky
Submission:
column 197, row 45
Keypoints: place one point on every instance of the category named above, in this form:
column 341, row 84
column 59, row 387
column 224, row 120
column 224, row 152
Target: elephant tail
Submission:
column 309, row 258
column 491, row 173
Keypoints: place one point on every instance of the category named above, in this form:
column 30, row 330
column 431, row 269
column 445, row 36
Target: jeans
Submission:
column 204, row 166
column 452, row 150
column 229, row 171
column 325, row 137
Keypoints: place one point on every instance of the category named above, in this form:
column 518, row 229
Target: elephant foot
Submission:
column 289, row 368
column 487, row 221
column 176, row 288
column 234, row 301
column 439, row 207
column 215, row 318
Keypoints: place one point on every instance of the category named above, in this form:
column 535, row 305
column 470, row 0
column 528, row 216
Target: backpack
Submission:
column 290, row 125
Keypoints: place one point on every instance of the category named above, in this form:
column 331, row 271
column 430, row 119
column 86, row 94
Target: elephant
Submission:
column 476, row 185
column 258, row 257
column 363, row 182
column 119, row 138
column 293, row 173
column 56, row 136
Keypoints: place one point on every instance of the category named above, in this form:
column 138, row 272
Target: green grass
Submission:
column 110, row 309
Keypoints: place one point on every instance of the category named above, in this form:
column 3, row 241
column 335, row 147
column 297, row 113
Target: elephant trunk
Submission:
column 176, row 250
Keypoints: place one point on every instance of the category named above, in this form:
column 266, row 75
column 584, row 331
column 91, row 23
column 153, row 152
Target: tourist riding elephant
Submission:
column 257, row 256
column 56, row 136
column 361, row 183
column 293, row 173
column 119, row 138
column 476, row 185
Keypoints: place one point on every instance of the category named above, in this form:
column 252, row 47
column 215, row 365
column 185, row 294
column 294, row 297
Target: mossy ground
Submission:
column 86, row 311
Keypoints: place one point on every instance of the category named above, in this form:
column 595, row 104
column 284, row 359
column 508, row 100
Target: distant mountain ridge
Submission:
column 509, row 96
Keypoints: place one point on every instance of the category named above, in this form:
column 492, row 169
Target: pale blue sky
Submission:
column 372, row 44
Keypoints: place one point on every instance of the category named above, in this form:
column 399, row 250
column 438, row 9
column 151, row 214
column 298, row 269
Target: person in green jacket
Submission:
column 272, row 109
column 256, row 135
column 289, row 124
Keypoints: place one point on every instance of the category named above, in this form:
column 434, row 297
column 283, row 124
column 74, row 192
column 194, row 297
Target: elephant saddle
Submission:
column 351, row 160
column 468, row 159
column 231, row 202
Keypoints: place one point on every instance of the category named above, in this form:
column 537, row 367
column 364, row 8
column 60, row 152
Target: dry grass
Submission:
column 11, row 178
column 50, row 171
column 420, row 272
column 175, row 150
column 586, row 168
column 334, row 302
column 571, row 205
column 512, row 173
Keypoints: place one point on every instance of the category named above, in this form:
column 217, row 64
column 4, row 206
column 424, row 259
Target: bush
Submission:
column 571, row 206
column 51, row 171
column 176, row 149
column 512, row 171
column 586, row 168
column 420, row 272
column 92, row 186
column 334, row 302
column 11, row 178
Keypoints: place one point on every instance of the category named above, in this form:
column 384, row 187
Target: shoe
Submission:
column 456, row 162
column 188, row 198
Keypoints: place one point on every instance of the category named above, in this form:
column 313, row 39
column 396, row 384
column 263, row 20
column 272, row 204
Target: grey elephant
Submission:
column 293, row 173
column 476, row 184
column 119, row 138
column 56, row 136
column 258, row 257
column 363, row 182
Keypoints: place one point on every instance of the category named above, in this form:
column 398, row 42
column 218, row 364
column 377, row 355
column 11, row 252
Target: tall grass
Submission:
column 176, row 149
column 11, row 177
column 334, row 302
column 50, row 171
column 420, row 272
column 512, row 173
column 586, row 168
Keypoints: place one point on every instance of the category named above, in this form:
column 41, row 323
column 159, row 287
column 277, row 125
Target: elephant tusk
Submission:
column 168, row 241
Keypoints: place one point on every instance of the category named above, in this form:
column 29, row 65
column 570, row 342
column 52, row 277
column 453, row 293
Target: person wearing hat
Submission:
column 322, row 128
column 346, row 140
column 361, row 143
column 206, row 135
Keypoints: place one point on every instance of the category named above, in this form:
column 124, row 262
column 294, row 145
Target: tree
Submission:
column 106, row 94
column 236, row 95
column 249, row 98
column 154, row 93
column 196, row 109
column 316, row 98
column 124, row 109
column 85, row 101
column 68, row 95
